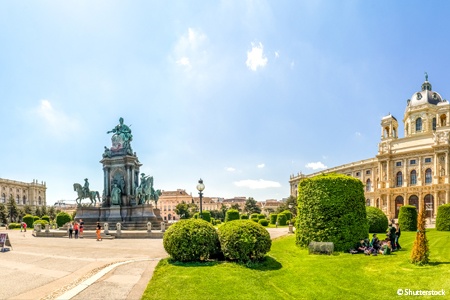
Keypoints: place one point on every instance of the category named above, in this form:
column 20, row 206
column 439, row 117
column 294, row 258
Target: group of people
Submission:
column 76, row 229
column 377, row 246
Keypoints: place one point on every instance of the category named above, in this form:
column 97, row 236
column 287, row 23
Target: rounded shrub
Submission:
column 46, row 218
column 28, row 219
column 244, row 241
column 443, row 218
column 191, row 240
column 282, row 219
column 13, row 225
column 377, row 220
column 254, row 216
column 232, row 214
column 261, row 216
column 331, row 208
column 263, row 222
column 287, row 213
column 62, row 218
column 42, row 222
column 244, row 217
column 273, row 218
column 407, row 218
column 206, row 215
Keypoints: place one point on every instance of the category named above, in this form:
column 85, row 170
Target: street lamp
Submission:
column 200, row 188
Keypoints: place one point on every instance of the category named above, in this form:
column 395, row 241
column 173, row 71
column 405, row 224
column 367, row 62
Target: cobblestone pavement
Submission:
column 62, row 268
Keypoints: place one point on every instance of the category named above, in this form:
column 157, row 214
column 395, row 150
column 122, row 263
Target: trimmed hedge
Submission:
column 42, row 222
column 378, row 222
column 282, row 219
column 407, row 218
column 232, row 214
column 261, row 216
column 191, row 240
column 254, row 216
column 288, row 214
column 244, row 217
column 62, row 218
column 46, row 218
column 244, row 241
column 28, row 219
column 14, row 225
column 443, row 218
column 263, row 222
column 273, row 218
column 331, row 208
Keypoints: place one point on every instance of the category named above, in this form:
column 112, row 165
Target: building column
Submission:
column 388, row 203
column 435, row 204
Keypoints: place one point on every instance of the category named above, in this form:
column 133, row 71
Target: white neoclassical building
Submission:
column 410, row 169
column 33, row 194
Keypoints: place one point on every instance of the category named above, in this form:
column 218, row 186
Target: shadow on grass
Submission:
column 268, row 264
column 437, row 263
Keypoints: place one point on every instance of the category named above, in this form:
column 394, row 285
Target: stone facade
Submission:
column 406, row 170
column 33, row 194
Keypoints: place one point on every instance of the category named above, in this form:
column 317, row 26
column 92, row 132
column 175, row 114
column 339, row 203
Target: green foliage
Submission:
column 35, row 218
column 14, row 225
column 331, row 208
column 13, row 211
column 420, row 252
column 62, row 218
column 407, row 218
column 443, row 218
column 38, row 212
column 3, row 214
column 28, row 219
column 377, row 220
column 254, row 216
column 288, row 214
column 28, row 210
column 244, row 241
column 182, row 210
column 261, row 216
column 244, row 217
column 206, row 215
column 232, row 214
column 46, row 218
column 273, row 218
column 42, row 222
column 251, row 206
column 191, row 240
column 52, row 213
column 281, row 219
column 263, row 222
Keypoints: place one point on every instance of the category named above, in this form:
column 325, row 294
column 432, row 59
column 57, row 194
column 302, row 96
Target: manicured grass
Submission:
column 290, row 273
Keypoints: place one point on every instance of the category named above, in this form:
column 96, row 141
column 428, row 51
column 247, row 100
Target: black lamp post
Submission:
column 200, row 188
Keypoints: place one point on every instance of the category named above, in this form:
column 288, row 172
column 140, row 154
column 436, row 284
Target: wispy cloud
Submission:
column 230, row 169
column 255, row 57
column 315, row 165
column 189, row 50
column 260, row 166
column 257, row 184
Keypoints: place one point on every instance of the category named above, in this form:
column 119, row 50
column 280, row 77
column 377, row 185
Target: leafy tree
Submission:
column 28, row 209
column 43, row 211
column 193, row 208
column 20, row 213
column 38, row 212
column 52, row 213
column 217, row 214
column 223, row 209
column 236, row 207
column 251, row 206
column 182, row 210
column 13, row 211
column 3, row 213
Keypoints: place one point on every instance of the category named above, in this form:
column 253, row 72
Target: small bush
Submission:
column 13, row 225
column 261, row 216
column 244, row 217
column 264, row 222
column 378, row 222
column 407, row 218
column 35, row 218
column 281, row 219
column 206, row 215
column 287, row 213
column 254, row 216
column 232, row 214
column 28, row 219
column 254, row 220
column 244, row 241
column 62, row 218
column 273, row 218
column 42, row 222
column 191, row 240
column 443, row 218
column 46, row 218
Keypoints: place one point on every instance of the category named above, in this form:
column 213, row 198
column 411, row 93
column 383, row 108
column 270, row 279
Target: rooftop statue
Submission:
column 121, row 138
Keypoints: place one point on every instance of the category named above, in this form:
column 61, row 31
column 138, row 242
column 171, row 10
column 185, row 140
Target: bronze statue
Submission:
column 92, row 195
column 122, row 137
column 116, row 195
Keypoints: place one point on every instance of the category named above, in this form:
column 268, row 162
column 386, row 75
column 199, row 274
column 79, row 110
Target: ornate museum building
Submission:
column 33, row 194
column 406, row 170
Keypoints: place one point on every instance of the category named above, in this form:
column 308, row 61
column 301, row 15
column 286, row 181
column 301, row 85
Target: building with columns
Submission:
column 407, row 170
column 33, row 194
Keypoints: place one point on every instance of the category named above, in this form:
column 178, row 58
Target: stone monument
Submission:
column 125, row 200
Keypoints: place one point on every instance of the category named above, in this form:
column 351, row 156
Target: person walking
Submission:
column 76, row 228
column 391, row 235
column 70, row 230
column 98, row 229
column 397, row 236
column 81, row 228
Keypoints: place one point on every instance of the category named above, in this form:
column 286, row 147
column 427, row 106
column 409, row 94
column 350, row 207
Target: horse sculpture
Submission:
column 92, row 195
column 145, row 192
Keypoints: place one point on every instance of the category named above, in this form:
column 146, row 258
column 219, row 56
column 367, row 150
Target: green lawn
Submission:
column 290, row 273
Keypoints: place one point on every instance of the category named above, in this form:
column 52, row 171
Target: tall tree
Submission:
column 3, row 214
column 13, row 211
column 236, row 206
column 28, row 209
column 52, row 213
column 182, row 210
column 44, row 210
column 38, row 212
column 420, row 251
column 251, row 206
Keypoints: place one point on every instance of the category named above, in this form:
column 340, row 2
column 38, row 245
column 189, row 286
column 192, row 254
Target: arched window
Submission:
column 368, row 185
column 39, row 200
column 419, row 124
column 3, row 198
column 17, row 199
column 413, row 178
column 434, row 123
column 394, row 132
column 378, row 202
column 24, row 200
column 398, row 204
column 414, row 200
column 443, row 120
column 399, row 178
column 367, row 202
column 386, row 132
column 428, row 177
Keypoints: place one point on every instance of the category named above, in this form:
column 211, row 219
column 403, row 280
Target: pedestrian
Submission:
column 397, row 236
column 76, row 228
column 81, row 228
column 391, row 235
column 70, row 230
column 98, row 229
column 24, row 226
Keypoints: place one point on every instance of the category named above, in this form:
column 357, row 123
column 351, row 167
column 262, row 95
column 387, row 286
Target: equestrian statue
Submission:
column 84, row 192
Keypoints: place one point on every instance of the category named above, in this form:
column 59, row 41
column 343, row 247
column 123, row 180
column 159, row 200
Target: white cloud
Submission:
column 257, row 184
column 357, row 134
column 184, row 61
column 277, row 54
column 57, row 122
column 255, row 57
column 260, row 166
column 230, row 169
column 315, row 165
column 189, row 50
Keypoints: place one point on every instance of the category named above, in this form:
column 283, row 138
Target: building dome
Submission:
column 426, row 95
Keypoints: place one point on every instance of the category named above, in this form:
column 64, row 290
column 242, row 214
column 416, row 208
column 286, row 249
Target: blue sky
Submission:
column 239, row 93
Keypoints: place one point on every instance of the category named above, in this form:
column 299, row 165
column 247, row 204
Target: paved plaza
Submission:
column 62, row 268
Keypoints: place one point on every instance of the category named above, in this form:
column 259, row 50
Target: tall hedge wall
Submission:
column 443, row 218
column 331, row 209
column 407, row 218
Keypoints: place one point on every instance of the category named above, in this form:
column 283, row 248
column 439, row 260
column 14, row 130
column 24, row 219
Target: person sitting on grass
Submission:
column 375, row 242
column 386, row 247
column 362, row 246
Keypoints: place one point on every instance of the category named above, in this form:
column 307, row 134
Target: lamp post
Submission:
column 200, row 188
